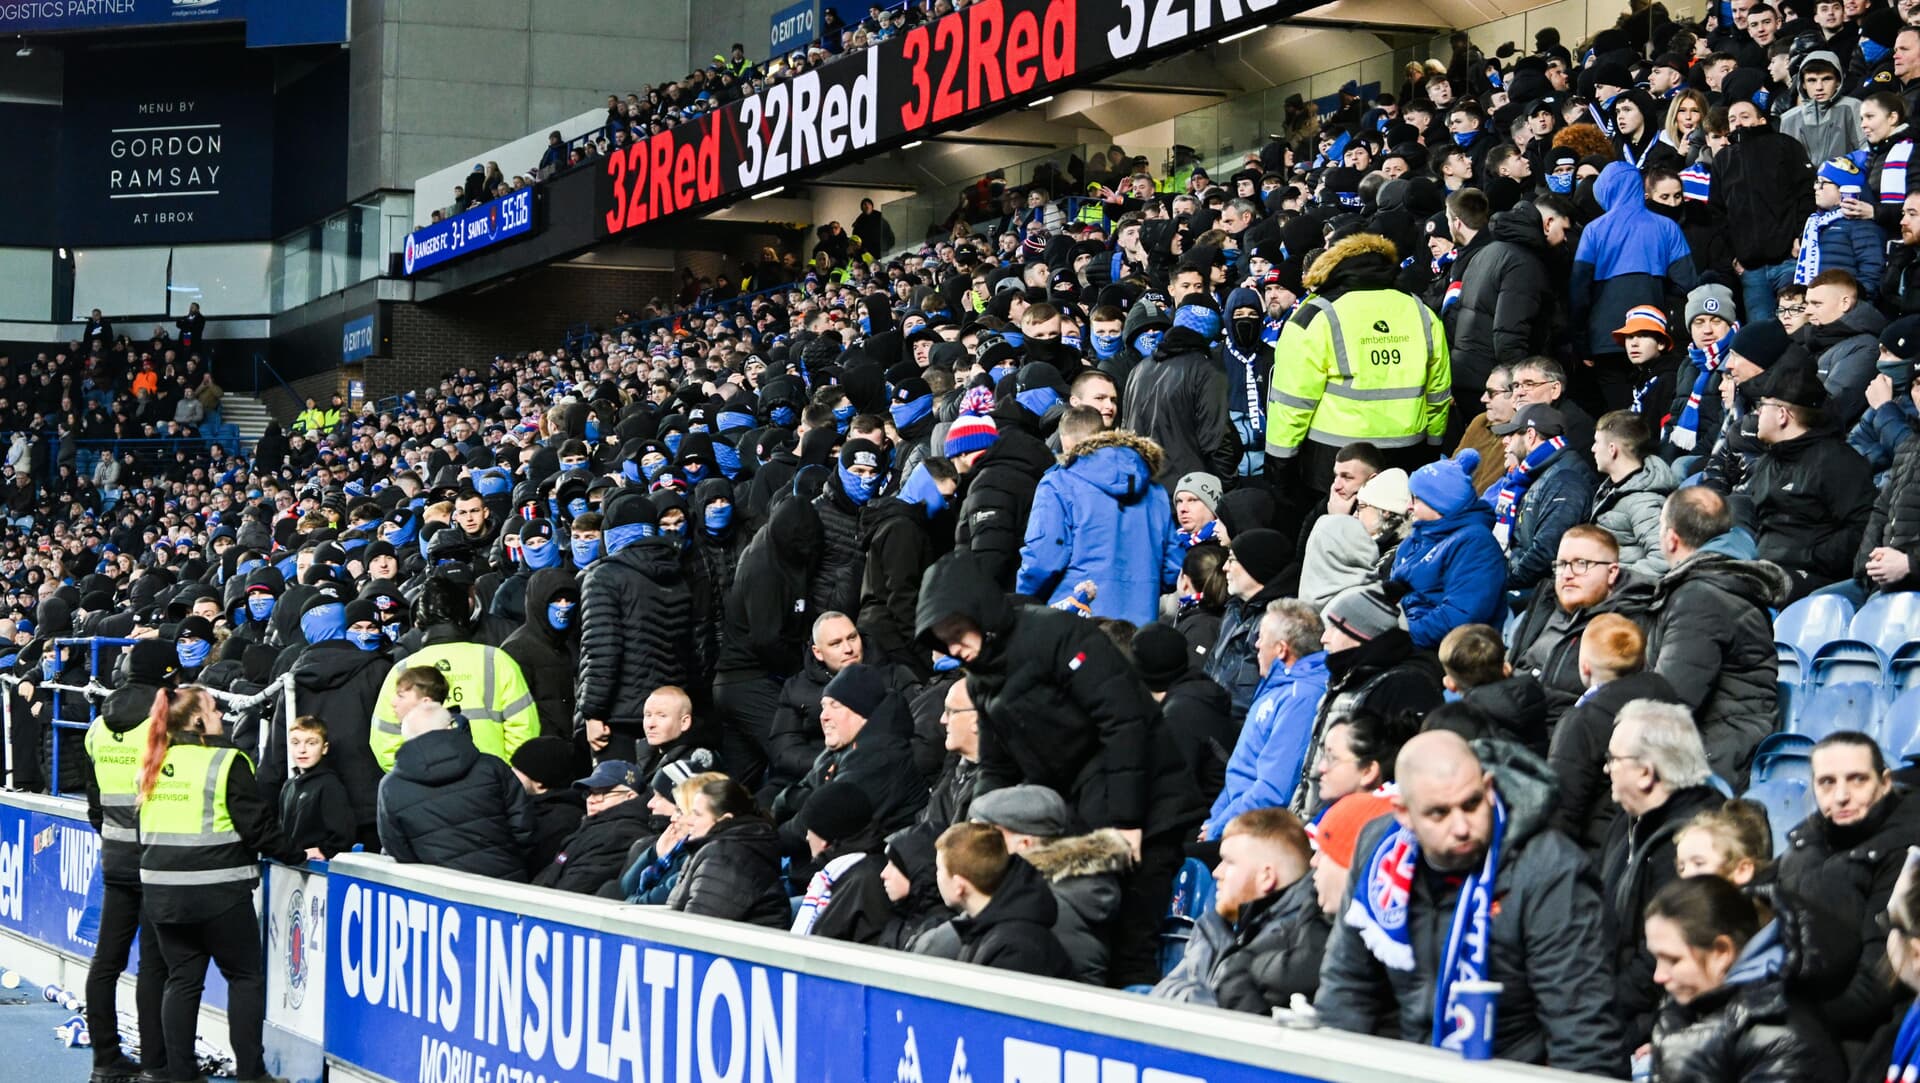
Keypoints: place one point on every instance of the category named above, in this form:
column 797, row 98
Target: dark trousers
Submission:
column 746, row 700
column 119, row 922
column 1135, row 955
column 232, row 941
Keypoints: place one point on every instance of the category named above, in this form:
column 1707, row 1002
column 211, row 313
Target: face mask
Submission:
column 1001, row 372
column 1038, row 400
column 859, row 489
column 1246, row 329
column 260, row 606
column 366, row 641
column 920, row 488
column 630, row 469
column 693, row 471
column 1204, row 322
column 866, row 325
column 1871, row 51
column 718, row 518
column 781, row 416
column 1146, row 342
column 1560, row 182
column 246, row 567
column 906, row 414
column 843, row 416
column 324, row 622
column 392, row 630
column 585, row 552
column 192, row 652
column 560, row 615
column 1105, row 346
column 1464, row 138
column 673, row 442
column 540, row 556
column 652, row 470
column 49, row 666
column 619, row 537
column 593, row 431
column 945, row 663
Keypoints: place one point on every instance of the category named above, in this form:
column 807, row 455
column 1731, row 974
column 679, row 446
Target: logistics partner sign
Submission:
column 18, row 16
column 469, row 231
column 937, row 77
column 426, row 990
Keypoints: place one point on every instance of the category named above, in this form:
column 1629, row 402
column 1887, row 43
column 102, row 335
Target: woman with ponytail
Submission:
column 203, row 829
column 116, row 746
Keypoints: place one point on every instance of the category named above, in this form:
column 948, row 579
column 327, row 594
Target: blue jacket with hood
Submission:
column 1100, row 516
column 1628, row 256
column 1454, row 572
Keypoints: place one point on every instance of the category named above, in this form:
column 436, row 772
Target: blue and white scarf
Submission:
column 1808, row 265
column 1905, row 1065
column 1506, row 496
column 1893, row 174
column 1379, row 914
column 1686, row 429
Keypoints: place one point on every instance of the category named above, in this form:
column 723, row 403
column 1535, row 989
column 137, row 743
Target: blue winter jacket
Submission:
column 1628, row 256
column 1880, row 432
column 1557, row 499
column 1454, row 572
column 1856, row 246
column 1100, row 516
column 1273, row 745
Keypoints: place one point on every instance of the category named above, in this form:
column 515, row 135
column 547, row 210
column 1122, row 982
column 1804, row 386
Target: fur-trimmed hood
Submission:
column 1149, row 451
column 1360, row 261
column 1102, row 853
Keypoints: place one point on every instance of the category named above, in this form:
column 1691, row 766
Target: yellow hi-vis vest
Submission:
column 187, row 837
column 484, row 682
column 1371, row 365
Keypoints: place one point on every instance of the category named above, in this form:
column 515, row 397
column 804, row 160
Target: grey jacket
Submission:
column 1256, row 964
column 1827, row 131
column 1556, row 1006
column 1630, row 512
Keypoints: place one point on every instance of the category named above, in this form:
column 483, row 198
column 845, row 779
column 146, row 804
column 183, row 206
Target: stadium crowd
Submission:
column 1395, row 527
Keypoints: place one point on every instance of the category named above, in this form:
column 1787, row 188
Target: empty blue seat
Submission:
column 1783, row 755
column 1853, row 705
column 1812, row 621
column 1899, row 731
column 1888, row 621
column 1843, row 660
column 1903, row 668
column 1788, row 801
column 1193, row 891
column 1794, row 675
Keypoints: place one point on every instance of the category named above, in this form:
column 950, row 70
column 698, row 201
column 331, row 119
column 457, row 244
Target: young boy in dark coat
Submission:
column 1007, row 910
column 314, row 804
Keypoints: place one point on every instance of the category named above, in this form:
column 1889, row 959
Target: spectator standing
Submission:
column 1178, row 396
column 1099, row 516
column 1827, row 121
column 636, row 627
column 1613, row 667
column 1627, row 257
column 315, row 810
column 446, row 803
column 1763, row 184
column 1842, row 334
column 768, row 623
column 1505, row 306
column 1830, row 241
column 1001, row 468
column 1463, row 835
column 1812, row 494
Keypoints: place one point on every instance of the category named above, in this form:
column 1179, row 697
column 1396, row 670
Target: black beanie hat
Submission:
column 548, row 761
column 836, row 811
column 859, row 688
column 1161, row 655
column 1263, row 553
column 861, row 453
column 629, row 507
column 362, row 609
column 1761, row 342
column 153, row 661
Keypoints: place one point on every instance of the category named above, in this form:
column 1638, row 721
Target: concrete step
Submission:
column 247, row 414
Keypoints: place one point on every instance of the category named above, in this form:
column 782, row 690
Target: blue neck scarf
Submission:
column 1384, row 896
column 560, row 615
column 781, row 416
column 727, row 458
column 1038, row 400
column 539, row 557
column 718, row 518
column 192, row 652
column 324, row 622
column 693, row 472
column 859, row 489
column 1905, row 1065
column 260, row 606
column 585, row 551
column 843, row 416
column 619, row 537
column 1105, row 346
column 906, row 414
column 366, row 641
column 1204, row 322
column 1686, row 427
column 921, row 489
column 1146, row 342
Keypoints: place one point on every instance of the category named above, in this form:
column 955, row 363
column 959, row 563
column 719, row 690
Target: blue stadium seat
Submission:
column 1844, row 660
column 1783, row 755
column 1812, row 621
column 1192, row 891
column 1903, row 668
column 1888, row 621
column 1899, row 732
column 1792, row 681
column 1787, row 801
column 1853, row 705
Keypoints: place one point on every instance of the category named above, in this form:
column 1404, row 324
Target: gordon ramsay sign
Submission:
column 937, row 77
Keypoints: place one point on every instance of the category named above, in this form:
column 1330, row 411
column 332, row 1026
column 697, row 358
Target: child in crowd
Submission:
column 416, row 685
column 314, row 807
column 1830, row 240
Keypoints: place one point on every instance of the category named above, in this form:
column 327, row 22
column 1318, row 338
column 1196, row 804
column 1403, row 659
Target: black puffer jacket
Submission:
column 1636, row 862
column 734, row 873
column 999, row 497
column 1556, row 1004
column 447, row 804
column 879, row 762
column 1178, row 399
column 338, row 683
column 794, row 739
column 836, row 585
column 548, row 657
column 636, row 633
column 1061, row 708
column 1712, row 639
column 1812, row 498
column 898, row 551
column 1260, row 961
column 556, row 816
column 1015, row 931
column 1559, row 673
column 1851, row 871
column 1752, row 1029
column 710, row 563
column 768, row 618
column 1506, row 301
column 1764, row 183
column 1895, row 522
column 596, row 852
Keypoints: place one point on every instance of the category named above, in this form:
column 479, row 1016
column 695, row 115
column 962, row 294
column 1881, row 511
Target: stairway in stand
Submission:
column 248, row 416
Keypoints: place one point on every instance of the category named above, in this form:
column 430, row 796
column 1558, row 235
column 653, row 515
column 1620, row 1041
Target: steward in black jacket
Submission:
column 548, row 656
column 338, row 683
column 636, row 622
column 445, row 803
column 999, row 497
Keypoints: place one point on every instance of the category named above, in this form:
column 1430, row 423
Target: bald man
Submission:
column 1461, row 828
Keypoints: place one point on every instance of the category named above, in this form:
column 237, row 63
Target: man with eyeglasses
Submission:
column 1497, row 403
column 1812, row 494
column 1542, row 380
column 952, row 792
column 1587, row 581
